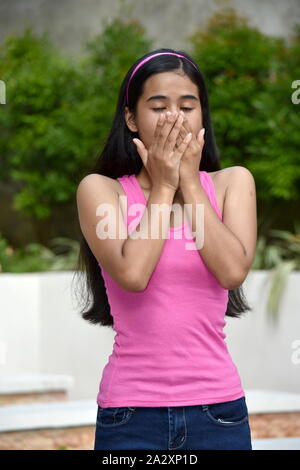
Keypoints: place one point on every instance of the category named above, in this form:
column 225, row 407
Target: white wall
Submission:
column 44, row 333
column 265, row 352
column 168, row 23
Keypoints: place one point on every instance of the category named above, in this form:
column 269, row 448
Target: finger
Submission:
column 165, row 131
column 183, row 132
column 159, row 124
column 179, row 151
column 186, row 124
column 172, row 137
column 196, row 139
column 179, row 140
column 200, row 137
column 187, row 128
column 142, row 151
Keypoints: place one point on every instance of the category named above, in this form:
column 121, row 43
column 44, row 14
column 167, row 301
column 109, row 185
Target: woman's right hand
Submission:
column 162, row 158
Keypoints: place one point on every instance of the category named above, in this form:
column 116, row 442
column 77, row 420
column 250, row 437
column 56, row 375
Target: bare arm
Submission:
column 130, row 262
column 229, row 246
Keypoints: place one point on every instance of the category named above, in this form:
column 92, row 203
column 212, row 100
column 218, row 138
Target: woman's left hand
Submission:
column 190, row 161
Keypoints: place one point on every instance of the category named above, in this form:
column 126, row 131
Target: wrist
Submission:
column 189, row 184
column 164, row 188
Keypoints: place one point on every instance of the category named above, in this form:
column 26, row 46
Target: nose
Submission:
column 175, row 112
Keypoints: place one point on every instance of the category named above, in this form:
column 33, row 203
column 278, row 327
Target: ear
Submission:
column 130, row 121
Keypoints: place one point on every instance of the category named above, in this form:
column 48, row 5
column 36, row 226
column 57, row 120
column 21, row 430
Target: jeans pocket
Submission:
column 228, row 413
column 114, row 416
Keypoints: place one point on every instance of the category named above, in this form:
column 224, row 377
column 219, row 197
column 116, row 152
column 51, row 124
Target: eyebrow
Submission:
column 163, row 97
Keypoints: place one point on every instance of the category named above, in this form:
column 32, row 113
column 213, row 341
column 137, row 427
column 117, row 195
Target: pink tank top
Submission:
column 169, row 347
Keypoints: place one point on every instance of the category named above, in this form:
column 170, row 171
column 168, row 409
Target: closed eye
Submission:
column 159, row 109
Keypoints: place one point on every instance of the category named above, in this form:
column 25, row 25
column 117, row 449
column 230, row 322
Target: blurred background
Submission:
column 61, row 65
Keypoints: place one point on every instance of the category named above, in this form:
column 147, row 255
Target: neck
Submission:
column 144, row 179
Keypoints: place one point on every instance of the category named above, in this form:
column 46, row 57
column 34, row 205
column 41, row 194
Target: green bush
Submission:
column 249, row 77
column 34, row 257
column 58, row 111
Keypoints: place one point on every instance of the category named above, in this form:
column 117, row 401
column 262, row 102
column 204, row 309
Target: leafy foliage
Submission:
column 34, row 257
column 249, row 77
column 58, row 111
column 280, row 254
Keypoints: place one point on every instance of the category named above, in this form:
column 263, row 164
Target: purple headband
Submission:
column 146, row 60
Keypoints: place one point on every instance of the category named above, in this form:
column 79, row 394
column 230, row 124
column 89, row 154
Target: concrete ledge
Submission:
column 28, row 383
column 83, row 412
column 270, row 401
column 48, row 415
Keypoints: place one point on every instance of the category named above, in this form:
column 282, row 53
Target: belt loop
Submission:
column 204, row 407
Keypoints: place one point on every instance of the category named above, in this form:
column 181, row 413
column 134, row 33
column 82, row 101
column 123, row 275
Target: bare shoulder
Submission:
column 222, row 178
column 98, row 179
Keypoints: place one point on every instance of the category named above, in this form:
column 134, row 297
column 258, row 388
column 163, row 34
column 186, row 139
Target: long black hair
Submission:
column 120, row 157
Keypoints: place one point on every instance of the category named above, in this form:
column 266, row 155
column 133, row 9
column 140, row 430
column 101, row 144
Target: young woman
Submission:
column 170, row 382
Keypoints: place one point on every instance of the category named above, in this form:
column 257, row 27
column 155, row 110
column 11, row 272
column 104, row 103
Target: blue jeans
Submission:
column 216, row 426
